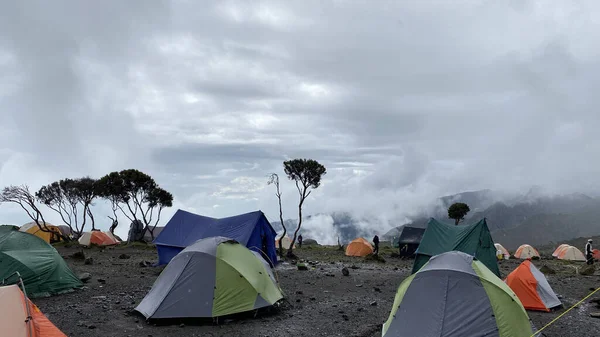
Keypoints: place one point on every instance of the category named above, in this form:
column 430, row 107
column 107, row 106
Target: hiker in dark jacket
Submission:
column 376, row 243
column 300, row 241
column 589, row 254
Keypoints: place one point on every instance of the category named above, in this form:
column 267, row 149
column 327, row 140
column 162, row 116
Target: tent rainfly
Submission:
column 505, row 253
column 359, row 247
column 253, row 230
column 570, row 253
column 455, row 295
column 525, row 252
column 19, row 317
column 213, row 277
column 532, row 288
column 474, row 239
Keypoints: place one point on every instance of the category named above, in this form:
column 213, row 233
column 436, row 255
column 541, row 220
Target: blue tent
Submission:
column 250, row 229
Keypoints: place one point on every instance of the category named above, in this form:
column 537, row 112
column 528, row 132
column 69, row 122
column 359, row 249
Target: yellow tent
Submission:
column 50, row 237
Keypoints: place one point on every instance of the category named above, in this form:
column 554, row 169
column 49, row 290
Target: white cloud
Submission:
column 403, row 101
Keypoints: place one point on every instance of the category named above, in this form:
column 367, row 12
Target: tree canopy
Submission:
column 136, row 195
column 72, row 200
column 458, row 211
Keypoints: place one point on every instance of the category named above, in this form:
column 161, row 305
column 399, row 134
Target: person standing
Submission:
column 300, row 241
column 376, row 243
column 589, row 254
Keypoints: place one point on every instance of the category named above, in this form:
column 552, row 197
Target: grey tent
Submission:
column 409, row 240
column 455, row 295
column 213, row 277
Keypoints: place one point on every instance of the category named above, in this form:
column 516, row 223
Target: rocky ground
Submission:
column 320, row 301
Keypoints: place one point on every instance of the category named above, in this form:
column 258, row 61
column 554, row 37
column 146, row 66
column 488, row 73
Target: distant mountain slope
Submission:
column 530, row 218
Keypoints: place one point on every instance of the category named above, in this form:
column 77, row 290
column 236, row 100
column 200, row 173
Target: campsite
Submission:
column 322, row 302
column 299, row 168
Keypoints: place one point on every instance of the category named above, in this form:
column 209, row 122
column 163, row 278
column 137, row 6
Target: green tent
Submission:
column 474, row 239
column 43, row 270
column 213, row 277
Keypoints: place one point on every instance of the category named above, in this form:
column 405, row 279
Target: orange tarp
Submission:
column 359, row 247
column 13, row 316
column 524, row 284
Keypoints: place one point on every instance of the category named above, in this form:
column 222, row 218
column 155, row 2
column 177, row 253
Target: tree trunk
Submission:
column 282, row 225
column 291, row 248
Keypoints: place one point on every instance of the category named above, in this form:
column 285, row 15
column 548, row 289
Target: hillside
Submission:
column 532, row 218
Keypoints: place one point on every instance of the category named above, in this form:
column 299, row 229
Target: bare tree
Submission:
column 21, row 196
column 274, row 179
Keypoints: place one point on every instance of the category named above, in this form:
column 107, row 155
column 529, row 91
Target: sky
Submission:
column 402, row 101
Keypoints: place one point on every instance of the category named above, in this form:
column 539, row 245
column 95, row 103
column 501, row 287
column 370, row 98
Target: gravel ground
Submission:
column 321, row 301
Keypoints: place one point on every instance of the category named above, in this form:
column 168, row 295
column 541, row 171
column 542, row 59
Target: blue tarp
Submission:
column 185, row 228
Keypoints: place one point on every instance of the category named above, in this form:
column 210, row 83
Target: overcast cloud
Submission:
column 403, row 101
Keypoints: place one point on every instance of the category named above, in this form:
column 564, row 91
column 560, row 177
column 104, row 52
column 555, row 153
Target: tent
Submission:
column 571, row 253
column 596, row 254
column 558, row 249
column 19, row 317
column 526, row 252
column 286, row 242
column 98, row 238
column 474, row 239
column 52, row 236
column 532, row 288
column 42, row 269
column 505, row 253
column 253, row 230
column 212, row 277
column 409, row 240
column 359, row 247
column 455, row 295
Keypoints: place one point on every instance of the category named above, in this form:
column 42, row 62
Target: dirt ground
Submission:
column 320, row 301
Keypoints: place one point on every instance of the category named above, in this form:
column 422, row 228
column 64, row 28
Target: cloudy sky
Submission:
column 402, row 101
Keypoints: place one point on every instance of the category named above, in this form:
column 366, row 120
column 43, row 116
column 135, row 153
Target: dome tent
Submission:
column 213, row 277
column 570, row 253
column 19, row 317
column 505, row 253
column 359, row 247
column 526, row 252
column 42, row 269
column 52, row 235
column 472, row 239
column 455, row 295
column 558, row 249
column 532, row 288
column 98, row 238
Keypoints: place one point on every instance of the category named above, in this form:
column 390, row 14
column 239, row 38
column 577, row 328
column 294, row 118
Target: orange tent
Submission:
column 532, row 288
column 558, row 249
column 97, row 238
column 359, row 247
column 526, row 252
column 14, row 314
column 596, row 254
column 571, row 253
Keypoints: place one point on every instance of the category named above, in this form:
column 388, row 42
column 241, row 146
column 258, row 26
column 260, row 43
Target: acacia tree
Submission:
column 458, row 211
column 21, row 196
column 307, row 174
column 72, row 200
column 274, row 179
column 137, row 196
